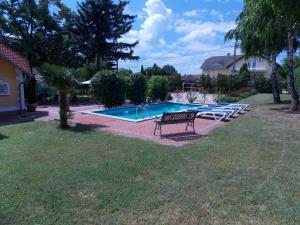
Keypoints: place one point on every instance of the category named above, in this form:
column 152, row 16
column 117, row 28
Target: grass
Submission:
column 246, row 172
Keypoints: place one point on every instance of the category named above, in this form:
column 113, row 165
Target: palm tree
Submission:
column 62, row 79
column 259, row 31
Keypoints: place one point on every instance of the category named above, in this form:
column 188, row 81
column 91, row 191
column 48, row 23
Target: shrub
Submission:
column 244, row 76
column 205, row 82
column 108, row 88
column 136, row 88
column 175, row 82
column 297, row 79
column 229, row 99
column 158, row 88
column 262, row 84
column 222, row 83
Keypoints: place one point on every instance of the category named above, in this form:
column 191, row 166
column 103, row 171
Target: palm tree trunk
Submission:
column 275, row 89
column 63, row 106
column 291, row 83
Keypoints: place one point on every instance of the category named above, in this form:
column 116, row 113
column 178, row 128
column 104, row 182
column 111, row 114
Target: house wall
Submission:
column 215, row 72
column 263, row 66
column 11, row 75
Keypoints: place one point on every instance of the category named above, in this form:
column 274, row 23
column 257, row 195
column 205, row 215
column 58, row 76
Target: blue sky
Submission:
column 170, row 29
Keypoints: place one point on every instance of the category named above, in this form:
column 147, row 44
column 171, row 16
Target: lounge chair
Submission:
column 243, row 106
column 216, row 114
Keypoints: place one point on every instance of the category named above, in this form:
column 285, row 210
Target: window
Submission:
column 254, row 64
column 249, row 64
column 4, row 88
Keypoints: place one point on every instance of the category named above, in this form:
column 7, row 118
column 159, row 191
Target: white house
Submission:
column 229, row 63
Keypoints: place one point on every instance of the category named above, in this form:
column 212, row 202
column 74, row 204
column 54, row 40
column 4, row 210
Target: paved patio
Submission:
column 174, row 135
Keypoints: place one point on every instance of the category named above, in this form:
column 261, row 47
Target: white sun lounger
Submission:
column 216, row 114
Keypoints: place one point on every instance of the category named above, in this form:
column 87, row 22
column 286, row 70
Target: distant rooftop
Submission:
column 220, row 62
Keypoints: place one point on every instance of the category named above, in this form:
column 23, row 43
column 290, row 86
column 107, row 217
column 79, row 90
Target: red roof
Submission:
column 14, row 58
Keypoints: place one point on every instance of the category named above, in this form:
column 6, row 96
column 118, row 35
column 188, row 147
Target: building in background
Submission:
column 14, row 70
column 231, row 64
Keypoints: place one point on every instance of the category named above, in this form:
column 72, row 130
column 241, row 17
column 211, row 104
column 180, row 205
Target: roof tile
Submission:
column 14, row 58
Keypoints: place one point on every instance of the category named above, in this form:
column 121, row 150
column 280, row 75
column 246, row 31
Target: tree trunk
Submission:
column 275, row 89
column 64, row 109
column 98, row 62
column 291, row 83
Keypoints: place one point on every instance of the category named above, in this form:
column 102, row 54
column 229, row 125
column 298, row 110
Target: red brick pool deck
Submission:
column 174, row 135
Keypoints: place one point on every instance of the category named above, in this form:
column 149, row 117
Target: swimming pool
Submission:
column 151, row 110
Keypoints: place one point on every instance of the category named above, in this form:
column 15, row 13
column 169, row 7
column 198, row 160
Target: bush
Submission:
column 233, row 83
column 262, row 84
column 158, row 88
column 222, row 83
column 205, row 82
column 297, row 79
column 228, row 99
column 175, row 82
column 244, row 76
column 108, row 88
column 136, row 88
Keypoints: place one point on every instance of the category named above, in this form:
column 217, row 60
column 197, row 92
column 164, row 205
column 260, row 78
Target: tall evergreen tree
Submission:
column 98, row 26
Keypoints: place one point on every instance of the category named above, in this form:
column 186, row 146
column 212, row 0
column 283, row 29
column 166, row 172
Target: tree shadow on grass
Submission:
column 83, row 128
column 2, row 137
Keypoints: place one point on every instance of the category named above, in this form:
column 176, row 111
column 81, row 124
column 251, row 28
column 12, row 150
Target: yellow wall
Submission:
column 215, row 72
column 8, row 74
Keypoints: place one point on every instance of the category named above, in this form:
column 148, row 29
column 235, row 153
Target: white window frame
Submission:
column 2, row 82
column 254, row 64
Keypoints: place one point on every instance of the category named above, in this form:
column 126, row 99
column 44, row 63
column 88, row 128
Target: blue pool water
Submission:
column 129, row 113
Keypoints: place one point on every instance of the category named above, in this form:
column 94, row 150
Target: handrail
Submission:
column 143, row 108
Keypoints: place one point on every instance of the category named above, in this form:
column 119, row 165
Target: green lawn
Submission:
column 247, row 172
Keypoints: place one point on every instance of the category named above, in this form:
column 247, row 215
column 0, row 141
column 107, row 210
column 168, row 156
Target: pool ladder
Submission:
column 143, row 108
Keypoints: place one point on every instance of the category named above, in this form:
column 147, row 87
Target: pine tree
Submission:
column 97, row 28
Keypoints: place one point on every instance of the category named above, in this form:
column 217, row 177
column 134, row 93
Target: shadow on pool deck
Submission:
column 183, row 136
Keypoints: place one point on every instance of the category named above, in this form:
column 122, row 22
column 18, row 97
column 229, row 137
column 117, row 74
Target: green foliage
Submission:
column 228, row 99
column 39, row 30
column 62, row 79
column 137, row 88
column 175, row 82
column 108, row 88
column 205, row 82
column 59, row 77
column 222, row 83
column 97, row 27
column 297, row 78
column 262, row 84
column 158, row 88
column 233, row 82
column 244, row 76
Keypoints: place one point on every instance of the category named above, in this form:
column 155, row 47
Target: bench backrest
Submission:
column 178, row 117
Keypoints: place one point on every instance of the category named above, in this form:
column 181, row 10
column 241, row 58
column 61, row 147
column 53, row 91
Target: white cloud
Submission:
column 157, row 21
column 190, row 37
column 195, row 13
column 216, row 13
column 201, row 31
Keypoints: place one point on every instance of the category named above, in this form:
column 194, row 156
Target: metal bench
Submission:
column 176, row 118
